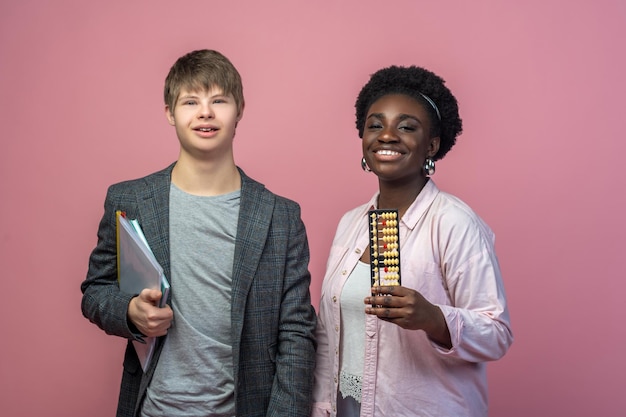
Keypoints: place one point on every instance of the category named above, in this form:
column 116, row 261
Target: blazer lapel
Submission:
column 255, row 216
column 155, row 216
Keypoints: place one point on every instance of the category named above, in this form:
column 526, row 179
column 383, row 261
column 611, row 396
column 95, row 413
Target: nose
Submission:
column 387, row 135
column 206, row 112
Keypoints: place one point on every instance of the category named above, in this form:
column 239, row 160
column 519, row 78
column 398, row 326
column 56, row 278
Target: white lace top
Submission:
column 356, row 288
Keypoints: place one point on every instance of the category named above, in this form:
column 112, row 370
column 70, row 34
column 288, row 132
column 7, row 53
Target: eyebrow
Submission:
column 401, row 117
column 196, row 95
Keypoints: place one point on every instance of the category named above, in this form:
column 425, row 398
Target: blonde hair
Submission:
column 202, row 70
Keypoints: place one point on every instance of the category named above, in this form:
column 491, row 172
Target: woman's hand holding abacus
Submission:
column 408, row 309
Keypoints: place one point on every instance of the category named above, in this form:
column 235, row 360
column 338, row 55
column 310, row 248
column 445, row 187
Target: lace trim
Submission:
column 350, row 386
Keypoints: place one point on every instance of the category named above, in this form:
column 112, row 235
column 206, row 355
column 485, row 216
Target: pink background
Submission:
column 541, row 90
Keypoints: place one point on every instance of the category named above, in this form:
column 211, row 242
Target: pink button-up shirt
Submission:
column 447, row 254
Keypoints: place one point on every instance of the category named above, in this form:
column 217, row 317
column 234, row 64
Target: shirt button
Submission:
column 344, row 272
column 334, row 298
column 336, row 328
column 335, row 380
column 358, row 251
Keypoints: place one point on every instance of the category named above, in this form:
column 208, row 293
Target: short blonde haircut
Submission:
column 202, row 70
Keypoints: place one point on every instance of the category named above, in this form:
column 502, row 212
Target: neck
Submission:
column 206, row 178
column 399, row 196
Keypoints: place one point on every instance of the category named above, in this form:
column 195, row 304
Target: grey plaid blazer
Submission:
column 271, row 313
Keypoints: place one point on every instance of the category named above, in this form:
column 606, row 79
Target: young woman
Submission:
column 418, row 349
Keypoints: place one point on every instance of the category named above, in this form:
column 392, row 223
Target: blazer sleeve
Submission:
column 295, row 359
column 103, row 303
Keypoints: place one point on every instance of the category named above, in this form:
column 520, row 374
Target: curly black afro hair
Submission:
column 414, row 81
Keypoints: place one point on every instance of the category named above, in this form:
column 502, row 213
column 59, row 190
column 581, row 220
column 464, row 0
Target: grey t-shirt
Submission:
column 194, row 375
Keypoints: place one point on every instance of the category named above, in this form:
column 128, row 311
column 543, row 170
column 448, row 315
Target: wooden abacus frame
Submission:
column 384, row 247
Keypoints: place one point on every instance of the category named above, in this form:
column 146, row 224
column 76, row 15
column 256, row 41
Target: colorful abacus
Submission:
column 384, row 247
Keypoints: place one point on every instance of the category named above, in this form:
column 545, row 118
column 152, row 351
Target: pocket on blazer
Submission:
column 271, row 350
column 131, row 361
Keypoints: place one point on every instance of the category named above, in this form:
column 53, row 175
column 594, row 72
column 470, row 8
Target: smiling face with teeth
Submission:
column 397, row 140
column 205, row 122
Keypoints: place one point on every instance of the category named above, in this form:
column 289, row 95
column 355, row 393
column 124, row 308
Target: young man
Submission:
column 236, row 337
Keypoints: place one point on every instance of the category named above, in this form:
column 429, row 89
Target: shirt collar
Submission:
column 419, row 206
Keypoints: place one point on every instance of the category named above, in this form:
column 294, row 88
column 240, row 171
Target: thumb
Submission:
column 150, row 295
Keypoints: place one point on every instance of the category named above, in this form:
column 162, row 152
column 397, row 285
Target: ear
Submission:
column 433, row 148
column 169, row 116
column 240, row 115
